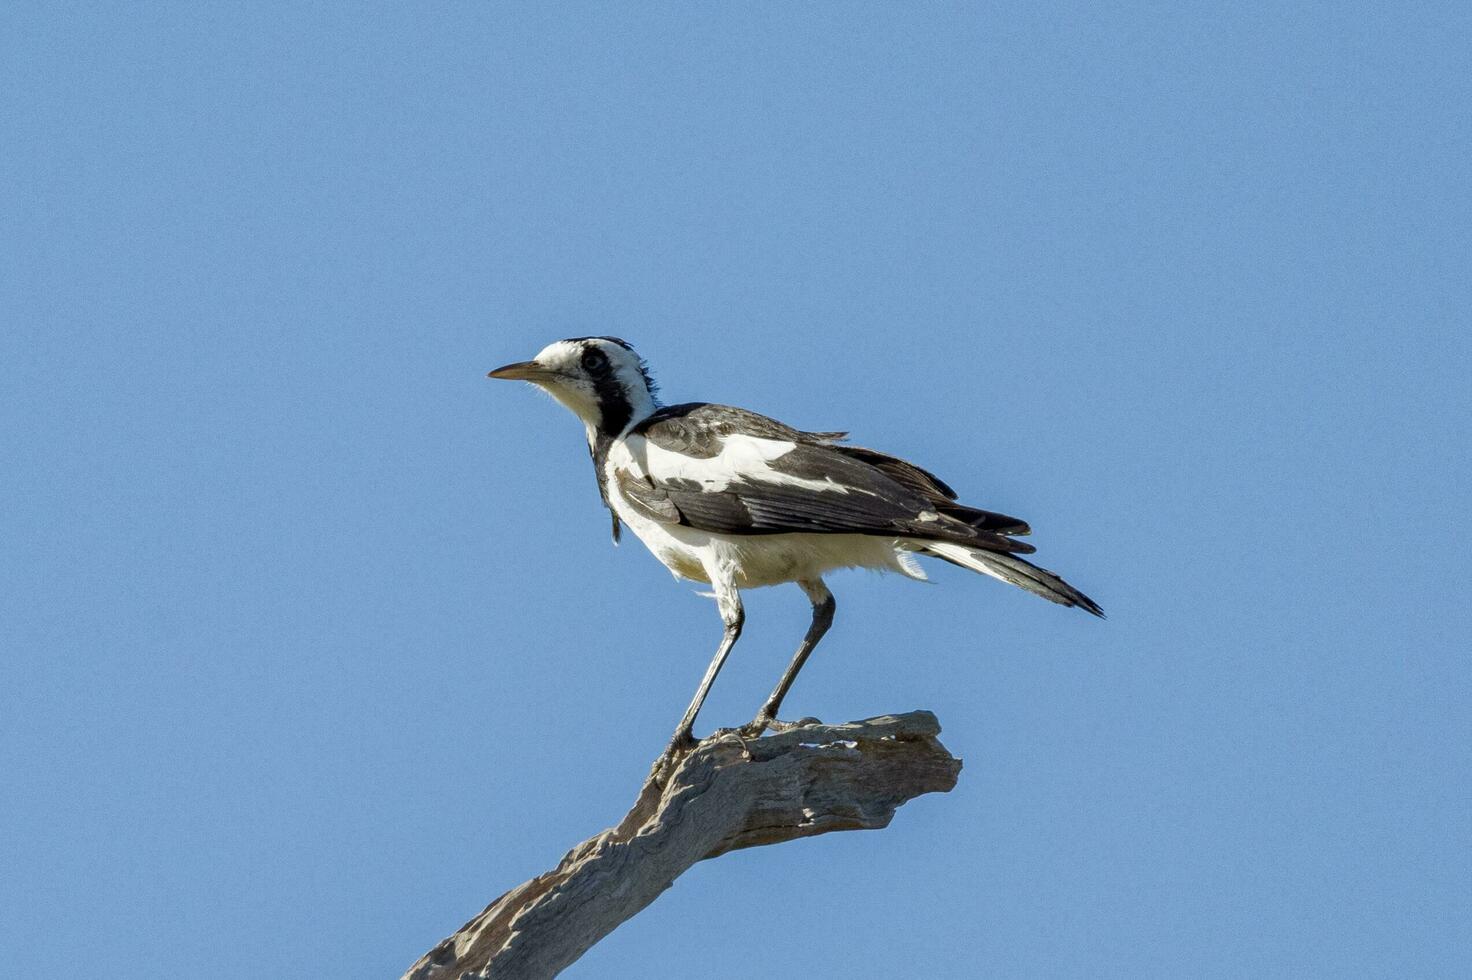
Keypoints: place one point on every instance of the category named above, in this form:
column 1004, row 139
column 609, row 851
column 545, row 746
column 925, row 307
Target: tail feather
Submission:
column 1015, row 571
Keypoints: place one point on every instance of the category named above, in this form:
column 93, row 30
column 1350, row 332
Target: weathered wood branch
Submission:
column 724, row 794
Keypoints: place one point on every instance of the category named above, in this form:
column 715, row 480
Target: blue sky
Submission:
column 314, row 641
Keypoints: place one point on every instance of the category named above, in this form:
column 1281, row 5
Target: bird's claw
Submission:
column 679, row 746
column 780, row 726
column 761, row 724
column 739, row 734
column 755, row 728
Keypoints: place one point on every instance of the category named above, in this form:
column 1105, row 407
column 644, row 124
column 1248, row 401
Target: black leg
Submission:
column 823, row 608
column 733, row 616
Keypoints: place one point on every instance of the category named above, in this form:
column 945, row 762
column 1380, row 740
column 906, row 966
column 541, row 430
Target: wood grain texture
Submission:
column 722, row 795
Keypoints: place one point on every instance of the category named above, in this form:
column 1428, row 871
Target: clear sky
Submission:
column 313, row 638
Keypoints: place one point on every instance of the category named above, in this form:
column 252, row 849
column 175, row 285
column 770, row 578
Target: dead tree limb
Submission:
column 724, row 794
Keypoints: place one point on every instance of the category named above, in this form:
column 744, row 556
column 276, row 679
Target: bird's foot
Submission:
column 755, row 727
column 739, row 734
column 680, row 746
column 765, row 723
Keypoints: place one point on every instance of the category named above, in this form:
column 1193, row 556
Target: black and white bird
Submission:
column 731, row 498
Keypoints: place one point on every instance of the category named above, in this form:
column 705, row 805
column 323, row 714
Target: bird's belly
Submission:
column 753, row 561
column 681, row 557
column 771, row 559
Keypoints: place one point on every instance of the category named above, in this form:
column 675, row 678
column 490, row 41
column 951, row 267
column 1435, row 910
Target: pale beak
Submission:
column 523, row 371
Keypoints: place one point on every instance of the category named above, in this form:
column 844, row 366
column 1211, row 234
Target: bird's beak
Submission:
column 523, row 371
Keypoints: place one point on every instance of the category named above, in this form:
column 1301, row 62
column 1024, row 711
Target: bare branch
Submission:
column 724, row 794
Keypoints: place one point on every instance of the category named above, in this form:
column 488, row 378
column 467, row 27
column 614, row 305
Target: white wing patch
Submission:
column 742, row 459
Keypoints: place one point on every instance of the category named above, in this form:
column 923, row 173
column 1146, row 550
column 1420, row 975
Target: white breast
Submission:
column 678, row 548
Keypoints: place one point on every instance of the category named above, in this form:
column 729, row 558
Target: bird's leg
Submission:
column 823, row 608
column 729, row 601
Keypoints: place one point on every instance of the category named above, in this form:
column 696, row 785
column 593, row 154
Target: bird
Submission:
column 737, row 500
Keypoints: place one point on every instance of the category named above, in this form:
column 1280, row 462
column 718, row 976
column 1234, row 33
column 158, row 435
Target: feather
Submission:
column 1015, row 571
column 733, row 472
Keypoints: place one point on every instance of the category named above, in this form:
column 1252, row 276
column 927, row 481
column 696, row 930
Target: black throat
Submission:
column 614, row 408
column 599, row 451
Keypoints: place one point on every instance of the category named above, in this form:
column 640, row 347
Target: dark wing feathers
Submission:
column 862, row 492
column 697, row 428
column 985, row 520
column 903, row 472
column 936, row 491
column 643, row 496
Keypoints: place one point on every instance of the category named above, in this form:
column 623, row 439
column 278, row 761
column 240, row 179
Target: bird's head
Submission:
column 601, row 379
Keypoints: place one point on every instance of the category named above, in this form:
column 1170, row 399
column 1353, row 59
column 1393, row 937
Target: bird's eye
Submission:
column 594, row 359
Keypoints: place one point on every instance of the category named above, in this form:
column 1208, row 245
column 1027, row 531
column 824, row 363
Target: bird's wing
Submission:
column 730, row 471
column 935, row 490
column 698, row 429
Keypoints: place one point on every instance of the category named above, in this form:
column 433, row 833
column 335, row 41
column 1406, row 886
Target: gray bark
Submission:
column 722, row 795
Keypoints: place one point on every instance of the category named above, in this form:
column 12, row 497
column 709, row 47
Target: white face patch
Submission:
column 571, row 386
column 561, row 355
column 577, row 389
